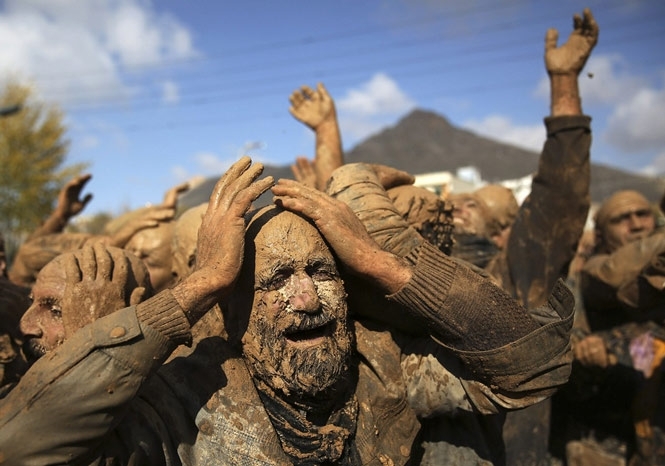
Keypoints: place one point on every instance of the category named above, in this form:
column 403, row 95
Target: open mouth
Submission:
column 309, row 333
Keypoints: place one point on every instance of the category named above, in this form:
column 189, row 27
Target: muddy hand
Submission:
column 303, row 171
column 591, row 351
column 311, row 107
column 69, row 200
column 570, row 57
column 221, row 240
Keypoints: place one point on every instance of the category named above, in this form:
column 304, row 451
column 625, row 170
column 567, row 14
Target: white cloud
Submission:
column 211, row 163
column 502, row 129
column 94, row 38
column 88, row 142
column 637, row 124
column 180, row 173
column 634, row 103
column 170, row 92
column 605, row 80
column 380, row 95
column 656, row 167
column 372, row 106
column 357, row 129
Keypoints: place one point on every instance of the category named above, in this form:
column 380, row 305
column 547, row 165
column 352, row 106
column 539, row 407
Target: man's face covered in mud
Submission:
column 42, row 323
column 48, row 322
column 298, row 339
column 625, row 217
column 470, row 215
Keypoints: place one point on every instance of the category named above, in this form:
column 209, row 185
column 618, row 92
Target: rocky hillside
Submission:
column 426, row 142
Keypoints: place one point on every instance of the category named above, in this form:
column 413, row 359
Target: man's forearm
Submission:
column 329, row 155
column 460, row 307
column 565, row 95
column 70, row 399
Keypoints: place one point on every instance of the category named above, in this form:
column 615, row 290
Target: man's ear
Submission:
column 137, row 295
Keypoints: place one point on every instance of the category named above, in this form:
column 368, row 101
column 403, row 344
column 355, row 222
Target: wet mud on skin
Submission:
column 298, row 340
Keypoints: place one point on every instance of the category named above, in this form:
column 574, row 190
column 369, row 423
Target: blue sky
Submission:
column 158, row 92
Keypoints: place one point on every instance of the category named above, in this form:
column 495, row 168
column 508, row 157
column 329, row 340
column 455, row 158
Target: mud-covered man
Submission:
column 297, row 381
column 616, row 395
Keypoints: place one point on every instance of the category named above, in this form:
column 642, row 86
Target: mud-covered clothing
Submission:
column 103, row 395
column 13, row 304
column 550, row 221
column 623, row 404
column 627, row 285
column 542, row 242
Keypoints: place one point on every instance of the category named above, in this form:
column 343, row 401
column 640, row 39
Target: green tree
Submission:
column 32, row 152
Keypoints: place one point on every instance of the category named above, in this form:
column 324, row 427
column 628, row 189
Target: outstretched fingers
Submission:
column 229, row 177
column 241, row 189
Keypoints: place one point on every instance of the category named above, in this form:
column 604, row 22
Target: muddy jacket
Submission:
column 102, row 395
column 550, row 222
column 13, row 303
column 627, row 285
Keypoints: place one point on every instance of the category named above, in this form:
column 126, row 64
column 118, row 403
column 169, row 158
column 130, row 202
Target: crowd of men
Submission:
column 357, row 319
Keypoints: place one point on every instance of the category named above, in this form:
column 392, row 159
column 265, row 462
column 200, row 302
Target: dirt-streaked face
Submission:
column 628, row 222
column 298, row 338
column 42, row 323
column 469, row 215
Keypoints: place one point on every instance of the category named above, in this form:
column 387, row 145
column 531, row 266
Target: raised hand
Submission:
column 304, row 172
column 571, row 57
column 171, row 196
column 149, row 217
column 221, row 239
column 312, row 107
column 69, row 199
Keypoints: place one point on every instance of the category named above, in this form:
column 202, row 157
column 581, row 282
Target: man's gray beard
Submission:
column 302, row 372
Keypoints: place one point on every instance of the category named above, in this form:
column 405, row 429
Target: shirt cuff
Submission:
column 163, row 313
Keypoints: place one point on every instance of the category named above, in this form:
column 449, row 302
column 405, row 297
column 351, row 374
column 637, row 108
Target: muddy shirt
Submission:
column 13, row 303
column 88, row 401
column 624, row 301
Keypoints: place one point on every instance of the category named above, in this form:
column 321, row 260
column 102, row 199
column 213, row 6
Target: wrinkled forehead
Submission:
column 625, row 206
column 53, row 274
column 619, row 204
column 469, row 201
column 283, row 236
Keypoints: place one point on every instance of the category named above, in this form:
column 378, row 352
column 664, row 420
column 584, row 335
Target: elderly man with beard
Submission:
column 297, row 381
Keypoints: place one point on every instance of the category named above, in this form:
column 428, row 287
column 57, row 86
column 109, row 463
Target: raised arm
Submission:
column 565, row 63
column 550, row 222
column 69, row 205
column 316, row 109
